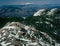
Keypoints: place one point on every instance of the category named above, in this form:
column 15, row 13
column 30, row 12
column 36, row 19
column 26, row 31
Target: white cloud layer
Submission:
column 27, row 3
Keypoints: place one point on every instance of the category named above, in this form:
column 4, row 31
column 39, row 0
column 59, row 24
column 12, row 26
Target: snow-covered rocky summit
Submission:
column 18, row 34
column 52, row 11
column 46, row 12
column 40, row 12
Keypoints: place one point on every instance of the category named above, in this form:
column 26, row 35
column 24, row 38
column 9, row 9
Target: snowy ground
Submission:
column 13, row 34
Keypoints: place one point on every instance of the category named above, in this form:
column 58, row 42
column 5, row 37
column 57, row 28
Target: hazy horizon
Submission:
column 26, row 2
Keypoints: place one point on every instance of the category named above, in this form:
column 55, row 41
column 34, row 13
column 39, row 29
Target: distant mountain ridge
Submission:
column 23, row 10
column 19, row 10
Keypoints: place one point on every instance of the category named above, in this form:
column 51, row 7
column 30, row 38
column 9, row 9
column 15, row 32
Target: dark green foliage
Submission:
column 46, row 27
column 4, row 20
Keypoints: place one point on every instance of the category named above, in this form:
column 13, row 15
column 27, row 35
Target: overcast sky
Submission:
column 18, row 2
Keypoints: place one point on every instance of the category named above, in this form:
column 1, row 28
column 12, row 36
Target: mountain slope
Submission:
column 47, row 21
column 18, row 34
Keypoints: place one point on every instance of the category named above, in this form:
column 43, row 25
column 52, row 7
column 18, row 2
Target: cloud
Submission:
column 27, row 3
